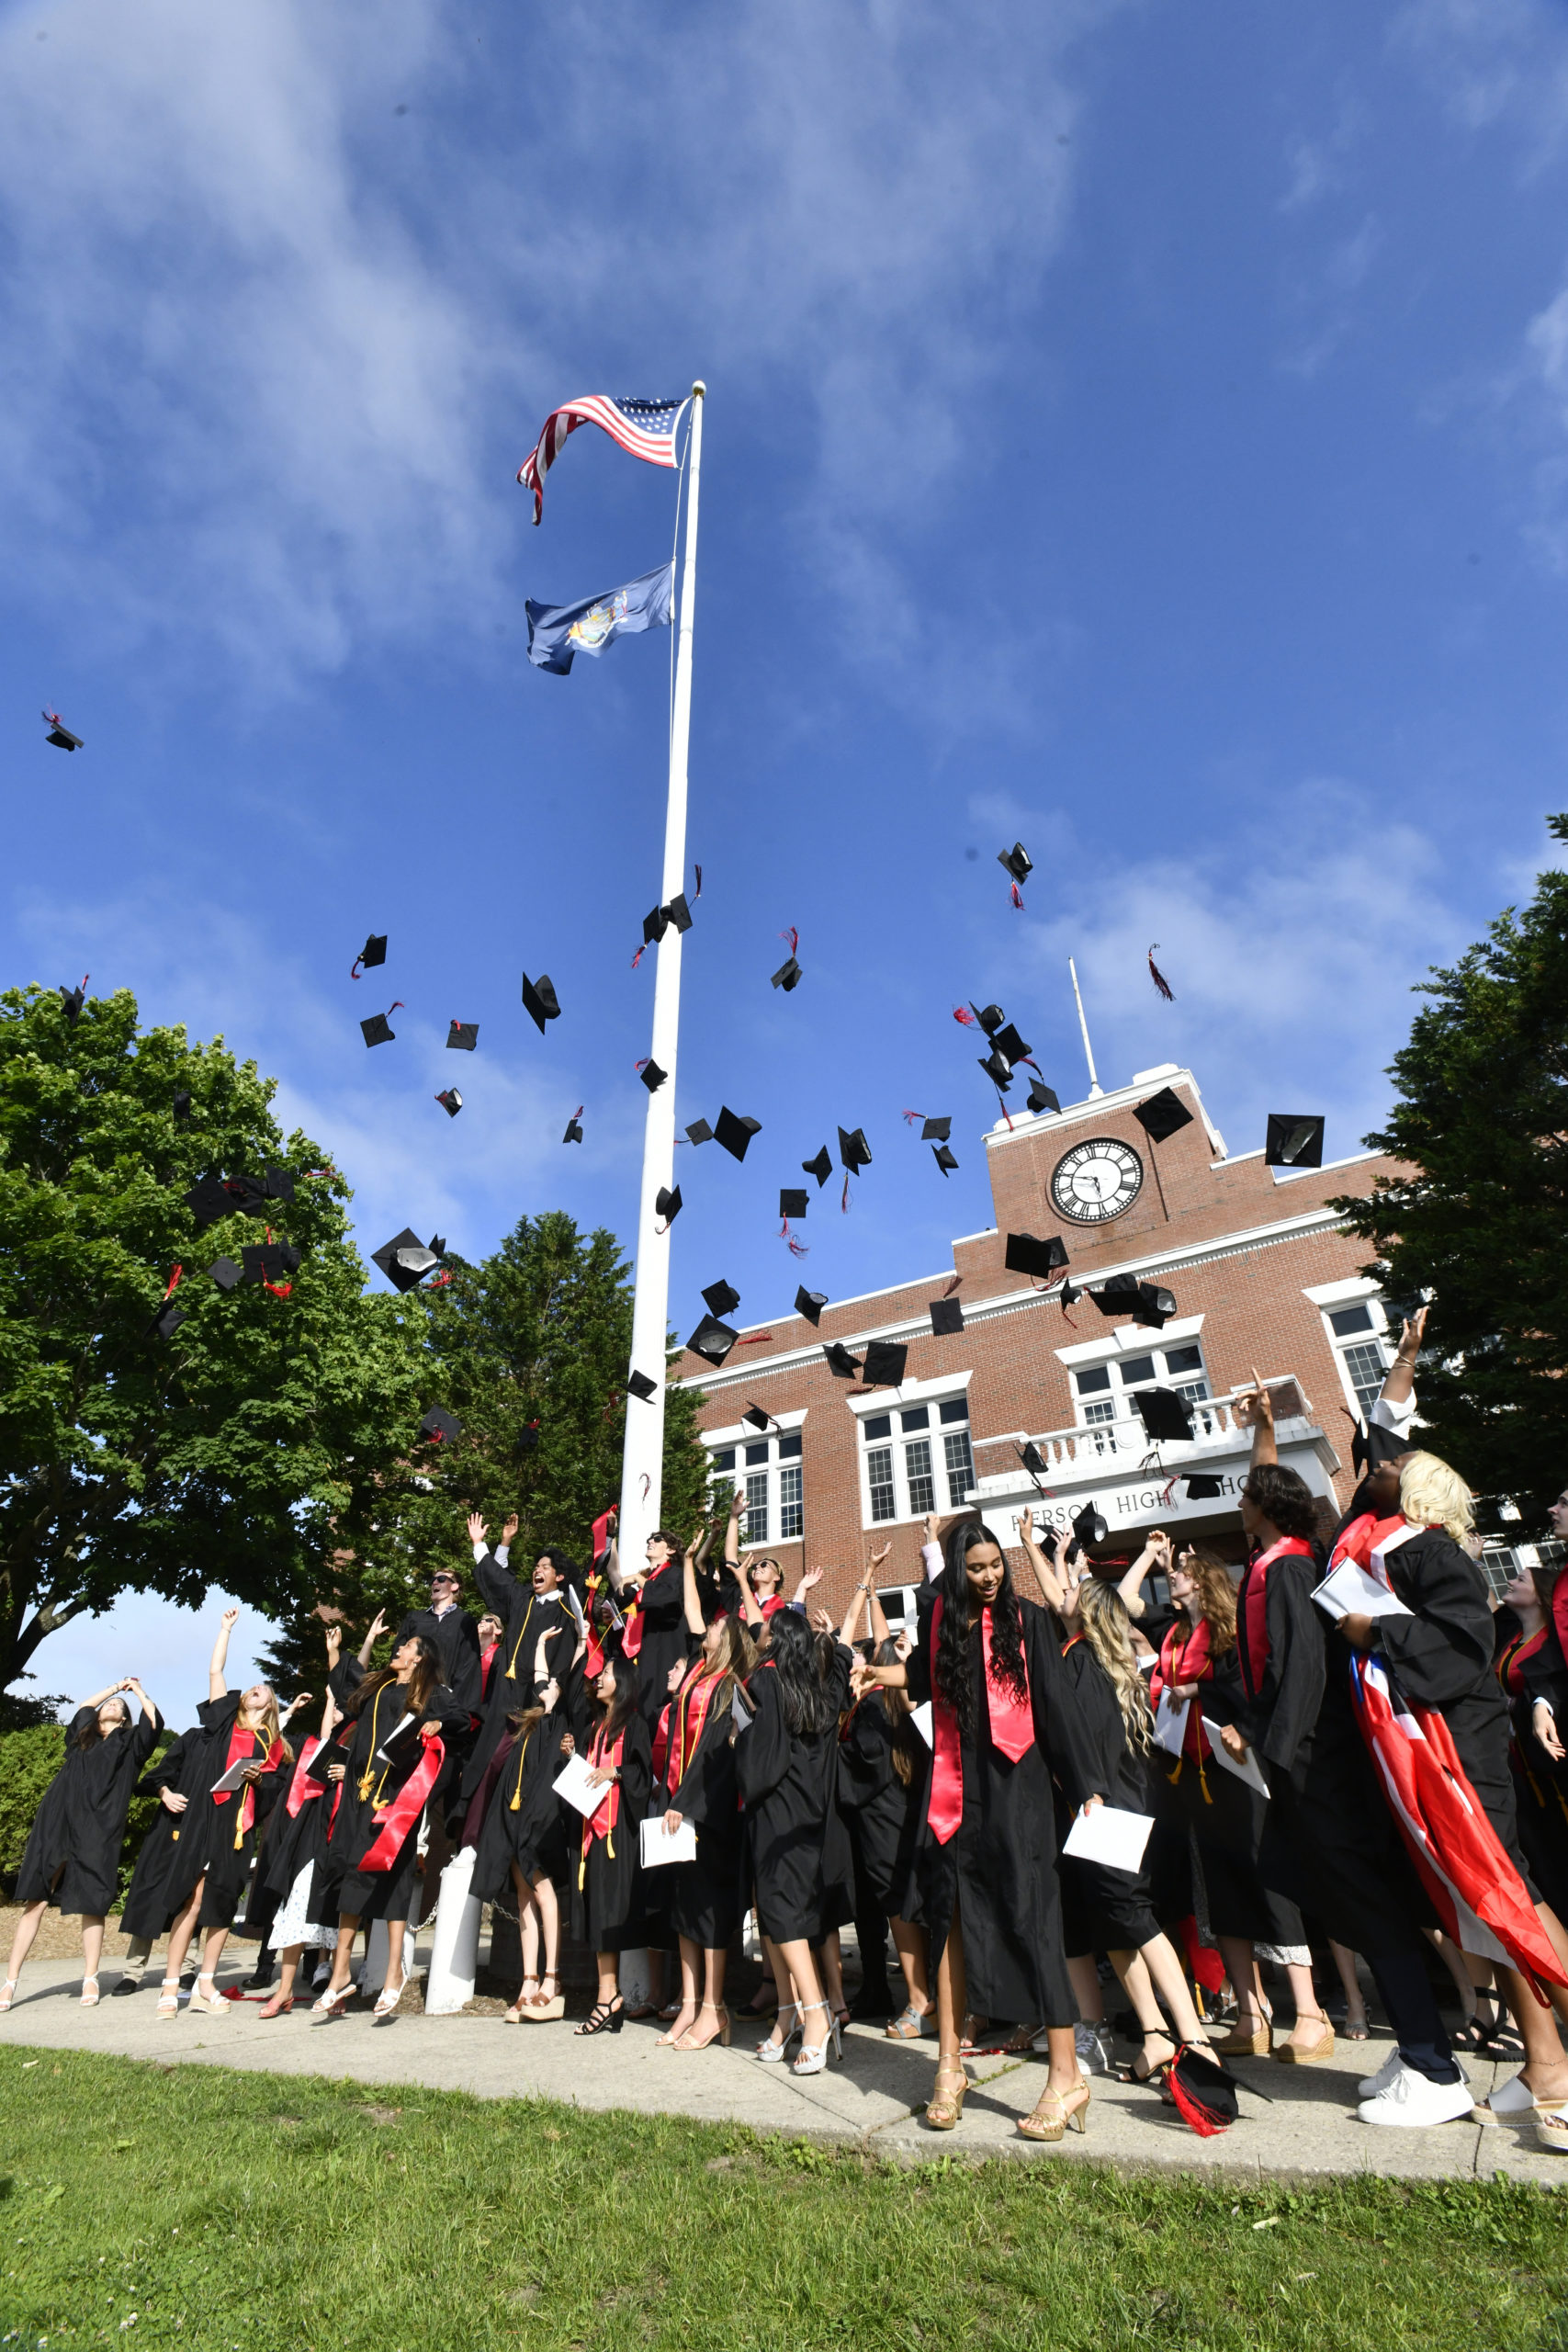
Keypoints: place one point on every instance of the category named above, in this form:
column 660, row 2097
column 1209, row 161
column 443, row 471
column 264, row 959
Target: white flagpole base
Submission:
column 455, row 1953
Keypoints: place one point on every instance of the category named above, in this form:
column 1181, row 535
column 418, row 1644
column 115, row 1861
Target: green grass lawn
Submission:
column 289, row 2214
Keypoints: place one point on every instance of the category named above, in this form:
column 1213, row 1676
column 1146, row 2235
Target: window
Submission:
column 791, row 1506
column 725, row 1458
column 1364, row 1369
column 1104, row 1392
column 910, row 1474
column 1360, row 1349
column 756, row 1453
column 754, row 1525
column 772, row 1484
column 1346, row 1319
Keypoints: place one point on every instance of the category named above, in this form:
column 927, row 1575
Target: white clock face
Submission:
column 1096, row 1180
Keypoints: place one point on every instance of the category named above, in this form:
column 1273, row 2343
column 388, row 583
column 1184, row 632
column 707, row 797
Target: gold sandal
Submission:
column 944, row 2110
column 1288, row 2054
column 1053, row 2115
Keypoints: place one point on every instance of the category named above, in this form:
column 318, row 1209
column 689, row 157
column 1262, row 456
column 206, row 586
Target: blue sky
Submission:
column 1139, row 430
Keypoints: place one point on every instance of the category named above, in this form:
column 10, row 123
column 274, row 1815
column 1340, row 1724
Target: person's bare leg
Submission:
column 831, row 1969
column 787, row 2018
column 342, row 1958
column 287, row 1970
column 1355, row 2001
column 685, row 2016
column 608, row 1964
column 1546, row 2067
column 181, row 1933
column 549, row 1922
column 22, row 1941
column 91, row 1945
column 1456, row 1964
column 1087, row 1990
column 806, row 1991
column 1132, row 1970
column 952, row 1995
column 527, row 1934
column 396, row 1931
column 910, row 1943
column 1311, row 2024
column 1170, row 1984
column 1241, row 1966
column 211, row 1953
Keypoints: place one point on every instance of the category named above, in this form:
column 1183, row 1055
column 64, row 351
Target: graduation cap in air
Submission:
column 1163, row 1115
column 1155, row 1306
column 1067, row 1296
column 678, row 912
column 528, row 1439
column 855, row 1152
column 667, row 1204
column 1041, row 1097
column 573, row 1129
column 997, row 1069
column 1089, row 1527
column 1025, row 1255
column 885, row 1362
column 734, row 1132
column 639, row 1386
column 451, row 1102
column 181, row 1109
column 1117, row 1294
column 655, row 923
column 1294, row 1141
column 208, row 1200
column 990, row 1017
column 712, row 1341
column 268, row 1261
column 793, row 1204
column 821, row 1167
column 1032, row 1459
column 247, row 1195
column 1017, row 861
column 1010, row 1045
column 224, row 1273
column 936, row 1130
column 1374, row 1445
column 373, row 952
column 1204, row 1488
column 378, row 1030
column 810, row 1303
column 1164, row 1414
column 699, row 1132
column 539, row 1001
column 652, row 1076
column 946, row 1159
column 72, row 1001
column 165, row 1322
column 59, row 734
column 279, row 1183
column 788, row 975
column 721, row 1298
column 947, row 1316
column 405, row 1261
column 755, row 1419
column 441, row 1426
column 840, row 1363
column 462, row 1036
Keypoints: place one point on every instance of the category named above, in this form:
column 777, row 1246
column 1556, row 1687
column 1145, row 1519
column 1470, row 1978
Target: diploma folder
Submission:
column 661, row 1845
column 1352, row 1591
column 233, row 1778
column 572, row 1783
column 1110, row 1837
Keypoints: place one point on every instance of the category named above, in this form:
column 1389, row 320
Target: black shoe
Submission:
column 126, row 1984
column 262, row 1980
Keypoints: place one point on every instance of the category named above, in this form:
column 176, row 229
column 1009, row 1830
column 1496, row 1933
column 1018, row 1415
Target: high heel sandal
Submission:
column 945, row 2109
column 813, row 2061
column 550, row 2006
column 8, row 1994
column 1053, row 2115
column 604, row 2017
column 206, row 2005
column 168, row 1998
column 278, row 2007
column 772, row 2053
column 676, row 2035
column 89, row 2000
column 1154, row 2069
column 908, row 2027
column 387, row 2000
column 719, row 2034
column 1288, row 2053
column 522, row 2005
column 1247, row 2041
column 330, row 2006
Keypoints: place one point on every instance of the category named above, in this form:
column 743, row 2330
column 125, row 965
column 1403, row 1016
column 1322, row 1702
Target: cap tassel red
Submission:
column 794, row 938
column 172, row 1284
column 1158, row 978
column 1207, row 2122
column 962, row 1014
column 1017, row 896
column 641, row 952
column 796, row 1248
column 278, row 1290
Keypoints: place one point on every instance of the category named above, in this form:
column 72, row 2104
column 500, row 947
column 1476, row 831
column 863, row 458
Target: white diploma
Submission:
column 1110, row 1837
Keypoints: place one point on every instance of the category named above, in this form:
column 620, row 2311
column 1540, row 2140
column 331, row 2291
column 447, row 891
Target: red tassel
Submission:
column 751, row 1339
column 174, row 1277
column 914, row 1117
column 1158, row 978
column 794, row 938
column 1193, row 2113
column 844, row 1200
column 962, row 1014
column 1017, row 896
column 641, row 952
column 796, row 1248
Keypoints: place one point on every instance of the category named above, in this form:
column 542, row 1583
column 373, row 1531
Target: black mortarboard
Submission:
column 678, row 912
column 1068, row 1295
column 166, row 1323
column 1374, row 1445
column 885, row 1362
column 1163, row 1413
column 699, row 1132
column 224, row 1273
column 855, row 1152
column 265, row 1260
column 539, row 1001
column 374, row 950
column 1205, row 1488
column 573, row 1131
column 1162, row 1114
column 1032, row 1459
column 71, row 1003
column 936, row 1131
column 997, row 1069
column 821, row 1167
column 722, row 1299
column 712, row 1339
column 810, row 1303
column 451, row 1102
column 990, row 1017
column 1294, row 1141
column 208, row 1200
column 1041, row 1097
column 59, row 734
column 667, row 1204
column 639, row 1386
column 945, row 1159
column 528, row 1439
column 947, row 1316
column 378, row 1030
column 463, row 1036
column 655, row 923
column 1155, row 1306
column 445, row 1427
column 734, row 1132
column 788, row 977
column 1089, row 1527
column 1025, row 1255
column 841, row 1363
column 1008, row 1043
column 182, row 1108
column 791, row 1203
column 652, row 1076
column 404, row 1259
column 1018, row 862
column 437, row 1246
column 755, row 1419
column 1117, row 1295
column 247, row 1193
column 279, row 1184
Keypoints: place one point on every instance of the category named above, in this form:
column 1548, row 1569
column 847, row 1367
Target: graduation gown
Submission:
column 523, row 1820
column 455, row 1637
column 788, row 1783
column 881, row 1812
column 72, row 1860
column 1541, row 1786
column 170, row 1858
column 227, row 1826
column 607, row 1911
column 370, row 1794
column 509, row 1686
column 996, row 1873
column 296, row 1839
column 704, row 1901
column 665, row 1640
column 1105, row 1910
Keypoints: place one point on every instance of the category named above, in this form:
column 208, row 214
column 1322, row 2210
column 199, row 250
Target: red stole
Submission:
column 1013, row 1730
column 1188, row 1660
column 243, row 1748
column 1559, row 1611
column 397, row 1818
column 302, row 1788
column 602, row 1823
column 688, row 1712
column 631, row 1639
column 1510, row 1663
column 1252, row 1611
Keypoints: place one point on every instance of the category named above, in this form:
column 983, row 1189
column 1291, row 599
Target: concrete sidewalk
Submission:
column 871, row 2101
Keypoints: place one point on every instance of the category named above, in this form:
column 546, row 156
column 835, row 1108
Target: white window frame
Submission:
column 933, row 1394
column 1329, row 1298
column 774, row 1472
column 1127, row 1344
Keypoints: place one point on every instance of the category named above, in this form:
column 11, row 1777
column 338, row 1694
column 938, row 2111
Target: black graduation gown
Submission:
column 227, row 1849
column 170, row 1861
column 607, row 1911
column 1225, row 1821
column 342, row 1886
column 527, row 1616
column 788, row 1783
column 72, row 1860
column 1102, row 1909
column 1541, row 1786
column 703, row 1903
column 881, row 1812
column 667, row 1640
column 997, row 1871
column 292, row 1843
column 455, row 1636
column 1328, row 1843
column 523, row 1821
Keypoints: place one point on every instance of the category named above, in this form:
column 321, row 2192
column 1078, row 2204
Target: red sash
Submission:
column 1509, row 1665
column 688, row 1712
column 631, row 1639
column 1013, row 1730
column 399, row 1816
column 302, row 1788
column 1252, row 1611
column 1361, row 1539
column 1187, row 1661
column 243, row 1745
column 661, row 1744
column 487, row 1663
column 1559, row 1611
column 602, row 1823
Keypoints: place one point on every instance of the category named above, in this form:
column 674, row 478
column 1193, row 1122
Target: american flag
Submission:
column 644, row 429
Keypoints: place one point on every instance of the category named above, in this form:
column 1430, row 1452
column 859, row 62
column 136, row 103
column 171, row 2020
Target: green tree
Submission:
column 1480, row 1219
column 250, row 1446
column 529, row 1350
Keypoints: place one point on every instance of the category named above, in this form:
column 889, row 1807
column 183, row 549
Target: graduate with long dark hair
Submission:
column 538, row 1634
column 288, row 1888
column 72, row 1860
column 1541, row 1786
column 880, row 1783
column 522, row 1848
column 1004, row 1718
column 607, row 1909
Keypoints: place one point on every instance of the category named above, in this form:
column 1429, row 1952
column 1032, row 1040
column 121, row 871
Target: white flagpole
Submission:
column 642, row 1461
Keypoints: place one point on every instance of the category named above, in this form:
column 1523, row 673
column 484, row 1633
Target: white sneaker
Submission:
column 1412, row 2101
column 1371, row 2085
column 1092, row 2054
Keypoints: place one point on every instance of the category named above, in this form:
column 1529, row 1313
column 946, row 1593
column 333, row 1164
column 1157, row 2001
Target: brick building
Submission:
column 1264, row 1276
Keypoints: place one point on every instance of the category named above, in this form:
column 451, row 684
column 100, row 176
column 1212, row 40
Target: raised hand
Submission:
column 229, row 1619
column 335, row 1644
column 477, row 1527
column 509, row 1527
column 378, row 1626
column 810, row 1579
column 1412, row 1333
column 874, row 1562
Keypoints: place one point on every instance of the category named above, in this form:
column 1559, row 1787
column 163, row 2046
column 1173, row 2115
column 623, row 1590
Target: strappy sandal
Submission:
column 1053, row 2115
column 387, row 2000
column 1021, row 2041
column 908, row 2027
column 168, row 1998
column 604, row 2017
column 969, row 2032
column 278, row 2007
column 720, row 2032
column 1153, row 2070
column 206, row 2005
column 776, row 2048
column 945, row 2109
column 89, row 2000
column 8, row 1994
column 330, row 2003
column 812, row 2058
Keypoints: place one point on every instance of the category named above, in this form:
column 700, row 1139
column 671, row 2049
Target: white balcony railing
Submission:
column 1123, row 1444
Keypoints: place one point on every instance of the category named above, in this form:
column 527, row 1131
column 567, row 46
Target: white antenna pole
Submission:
column 642, row 1460
column 1094, row 1085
